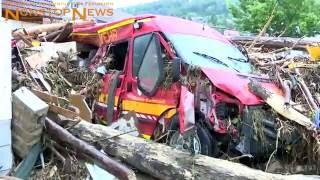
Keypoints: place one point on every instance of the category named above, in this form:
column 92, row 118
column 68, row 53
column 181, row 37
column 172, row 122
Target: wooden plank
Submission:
column 102, row 160
column 49, row 98
column 277, row 102
column 79, row 102
column 62, row 111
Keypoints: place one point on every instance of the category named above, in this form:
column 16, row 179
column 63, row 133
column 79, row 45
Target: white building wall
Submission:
column 19, row 24
column 5, row 103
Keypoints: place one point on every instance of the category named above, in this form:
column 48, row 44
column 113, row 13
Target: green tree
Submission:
column 214, row 12
column 291, row 17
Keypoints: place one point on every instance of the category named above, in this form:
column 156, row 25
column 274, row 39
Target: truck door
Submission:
column 150, row 95
column 115, row 61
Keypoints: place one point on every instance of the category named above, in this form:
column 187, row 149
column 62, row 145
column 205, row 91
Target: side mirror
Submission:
column 176, row 69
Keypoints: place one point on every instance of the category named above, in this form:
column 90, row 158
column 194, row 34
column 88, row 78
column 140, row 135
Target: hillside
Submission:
column 213, row 12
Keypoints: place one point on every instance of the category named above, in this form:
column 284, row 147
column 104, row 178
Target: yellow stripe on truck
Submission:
column 115, row 26
column 145, row 108
column 142, row 107
column 145, row 136
column 106, row 29
column 104, row 97
column 85, row 34
column 120, row 24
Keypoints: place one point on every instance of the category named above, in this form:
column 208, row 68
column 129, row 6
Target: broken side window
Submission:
column 116, row 57
column 140, row 46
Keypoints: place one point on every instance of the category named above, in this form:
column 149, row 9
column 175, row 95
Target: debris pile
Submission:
column 55, row 73
column 58, row 74
column 294, row 65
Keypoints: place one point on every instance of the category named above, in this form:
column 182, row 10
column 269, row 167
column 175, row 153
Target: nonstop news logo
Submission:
column 74, row 11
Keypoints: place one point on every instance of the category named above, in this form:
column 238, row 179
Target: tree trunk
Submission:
column 114, row 167
column 31, row 31
column 275, row 42
column 164, row 162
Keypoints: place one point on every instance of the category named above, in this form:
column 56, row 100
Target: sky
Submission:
column 126, row 3
column 117, row 3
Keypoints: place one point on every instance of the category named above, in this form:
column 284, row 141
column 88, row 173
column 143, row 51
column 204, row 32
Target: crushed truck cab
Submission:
column 182, row 82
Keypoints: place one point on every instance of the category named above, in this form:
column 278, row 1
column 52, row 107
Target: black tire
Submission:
column 208, row 143
column 261, row 135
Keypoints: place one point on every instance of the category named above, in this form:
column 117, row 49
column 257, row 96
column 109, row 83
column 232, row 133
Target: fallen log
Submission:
column 164, row 162
column 67, row 30
column 277, row 102
column 50, row 36
column 114, row 167
column 34, row 30
column 276, row 42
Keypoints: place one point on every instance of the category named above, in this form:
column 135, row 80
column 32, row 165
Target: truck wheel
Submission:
column 259, row 139
column 200, row 143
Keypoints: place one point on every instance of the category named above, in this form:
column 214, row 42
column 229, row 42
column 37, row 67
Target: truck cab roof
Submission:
column 151, row 23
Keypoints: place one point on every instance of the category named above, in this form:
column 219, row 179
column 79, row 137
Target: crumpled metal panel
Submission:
column 237, row 85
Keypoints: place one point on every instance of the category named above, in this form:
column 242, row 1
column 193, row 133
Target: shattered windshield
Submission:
column 205, row 52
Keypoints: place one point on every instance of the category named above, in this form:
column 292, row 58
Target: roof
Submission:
column 29, row 4
column 166, row 24
column 34, row 6
column 171, row 24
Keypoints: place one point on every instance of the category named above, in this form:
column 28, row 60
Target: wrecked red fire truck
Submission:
column 184, row 84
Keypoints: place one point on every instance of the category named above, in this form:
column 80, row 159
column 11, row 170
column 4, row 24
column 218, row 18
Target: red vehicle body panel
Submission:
column 237, row 85
column 166, row 24
column 230, row 82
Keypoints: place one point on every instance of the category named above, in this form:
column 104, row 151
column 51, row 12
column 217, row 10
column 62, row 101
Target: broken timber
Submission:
column 31, row 31
column 276, row 42
column 278, row 102
column 165, row 162
column 112, row 166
